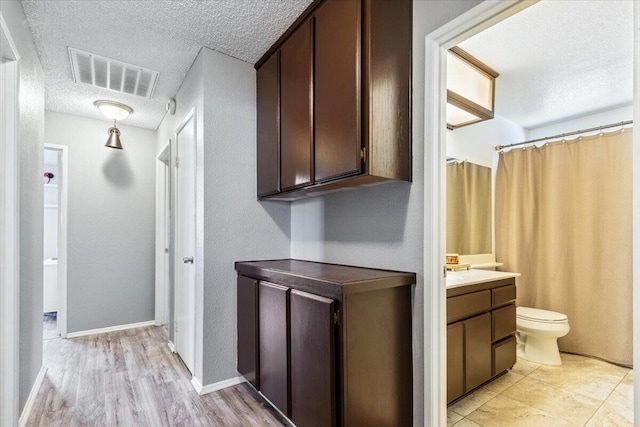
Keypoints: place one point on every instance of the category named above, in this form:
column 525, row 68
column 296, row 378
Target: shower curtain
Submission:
column 564, row 221
column 468, row 208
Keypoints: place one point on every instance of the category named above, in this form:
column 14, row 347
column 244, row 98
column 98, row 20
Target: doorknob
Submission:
column 188, row 260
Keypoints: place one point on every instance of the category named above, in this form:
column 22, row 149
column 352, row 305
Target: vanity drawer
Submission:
column 464, row 306
column 503, row 322
column 503, row 295
column 504, row 355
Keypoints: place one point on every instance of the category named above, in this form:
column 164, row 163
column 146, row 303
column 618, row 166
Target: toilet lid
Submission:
column 537, row 315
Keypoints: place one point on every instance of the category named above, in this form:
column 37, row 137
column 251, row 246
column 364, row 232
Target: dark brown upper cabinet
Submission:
column 268, row 85
column 345, row 99
column 337, row 89
column 296, row 69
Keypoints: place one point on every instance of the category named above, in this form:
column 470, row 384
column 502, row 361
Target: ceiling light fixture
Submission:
column 114, row 111
column 470, row 89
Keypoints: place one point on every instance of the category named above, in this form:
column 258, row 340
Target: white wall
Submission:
column 231, row 224
column 382, row 226
column 51, row 206
column 584, row 122
column 476, row 143
column 111, row 222
column 31, row 140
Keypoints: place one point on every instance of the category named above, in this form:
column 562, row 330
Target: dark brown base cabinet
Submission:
column 326, row 344
column 481, row 326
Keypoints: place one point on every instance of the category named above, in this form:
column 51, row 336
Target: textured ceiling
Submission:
column 164, row 36
column 560, row 59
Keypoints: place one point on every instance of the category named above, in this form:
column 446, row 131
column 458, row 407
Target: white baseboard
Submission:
column 171, row 346
column 210, row 388
column 111, row 329
column 28, row 406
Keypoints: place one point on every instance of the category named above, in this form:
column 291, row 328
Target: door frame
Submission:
column 163, row 220
column 472, row 22
column 9, row 229
column 61, row 320
column 199, row 285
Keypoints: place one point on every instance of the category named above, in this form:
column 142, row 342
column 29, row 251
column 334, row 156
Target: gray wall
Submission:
column 231, row 224
column 31, row 137
column 382, row 226
column 237, row 227
column 189, row 96
column 111, row 222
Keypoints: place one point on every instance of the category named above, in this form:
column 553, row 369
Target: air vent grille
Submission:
column 96, row 70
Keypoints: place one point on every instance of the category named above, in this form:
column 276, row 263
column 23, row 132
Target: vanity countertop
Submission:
column 456, row 279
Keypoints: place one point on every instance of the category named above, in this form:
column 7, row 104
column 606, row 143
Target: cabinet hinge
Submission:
column 177, row 162
column 336, row 317
column 175, row 326
column 363, row 154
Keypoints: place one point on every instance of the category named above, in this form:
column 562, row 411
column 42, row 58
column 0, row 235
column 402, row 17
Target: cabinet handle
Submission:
column 188, row 260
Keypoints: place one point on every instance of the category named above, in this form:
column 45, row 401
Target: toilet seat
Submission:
column 541, row 316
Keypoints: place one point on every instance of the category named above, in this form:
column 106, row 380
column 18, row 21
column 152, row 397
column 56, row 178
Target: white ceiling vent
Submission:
column 96, row 70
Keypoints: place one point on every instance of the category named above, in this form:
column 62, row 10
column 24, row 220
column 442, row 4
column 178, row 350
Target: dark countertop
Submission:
column 331, row 280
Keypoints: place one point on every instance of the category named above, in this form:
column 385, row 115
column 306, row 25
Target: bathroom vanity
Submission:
column 481, row 326
column 326, row 344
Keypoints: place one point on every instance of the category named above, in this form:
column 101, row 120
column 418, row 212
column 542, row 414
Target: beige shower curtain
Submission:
column 468, row 208
column 564, row 221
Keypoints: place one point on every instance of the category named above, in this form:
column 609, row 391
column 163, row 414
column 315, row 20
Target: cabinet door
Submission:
column 268, row 87
column 312, row 360
column 504, row 355
column 477, row 336
column 504, row 322
column 455, row 361
column 274, row 347
column 296, row 65
column 337, row 89
column 247, row 300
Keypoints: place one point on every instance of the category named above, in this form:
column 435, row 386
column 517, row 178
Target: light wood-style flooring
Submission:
column 131, row 378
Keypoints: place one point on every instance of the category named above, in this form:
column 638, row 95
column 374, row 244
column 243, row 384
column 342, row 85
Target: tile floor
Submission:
column 581, row 392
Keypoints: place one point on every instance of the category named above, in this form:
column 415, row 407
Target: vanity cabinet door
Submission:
column 477, row 334
column 247, row 300
column 337, row 89
column 504, row 322
column 312, row 360
column 274, row 344
column 504, row 355
column 455, row 361
column 296, row 71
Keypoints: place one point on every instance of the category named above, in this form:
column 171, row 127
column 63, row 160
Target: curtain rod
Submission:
column 562, row 135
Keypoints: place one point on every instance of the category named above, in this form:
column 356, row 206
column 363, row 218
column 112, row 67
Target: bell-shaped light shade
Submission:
column 113, row 110
column 114, row 139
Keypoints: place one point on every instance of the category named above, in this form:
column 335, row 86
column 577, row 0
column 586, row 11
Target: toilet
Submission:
column 537, row 334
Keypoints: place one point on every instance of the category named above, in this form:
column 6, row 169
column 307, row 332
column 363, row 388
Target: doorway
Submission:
column 163, row 234
column 54, row 295
column 185, row 241
column 437, row 43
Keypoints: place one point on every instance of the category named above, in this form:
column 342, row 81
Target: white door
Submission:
column 185, row 241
